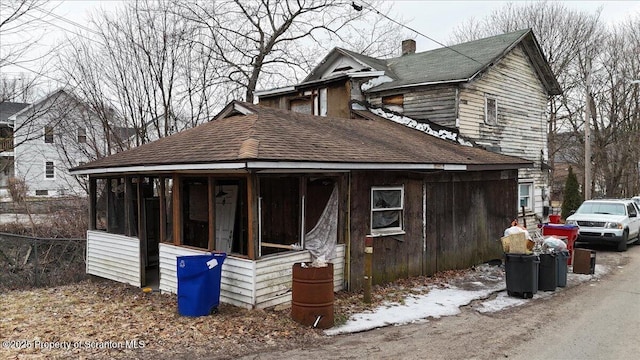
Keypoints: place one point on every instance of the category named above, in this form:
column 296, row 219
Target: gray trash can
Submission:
column 521, row 273
column 562, row 258
column 548, row 276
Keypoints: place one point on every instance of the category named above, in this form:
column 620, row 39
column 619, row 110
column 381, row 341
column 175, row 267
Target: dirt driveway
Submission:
column 102, row 319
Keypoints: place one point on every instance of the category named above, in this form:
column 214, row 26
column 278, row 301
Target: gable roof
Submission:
column 8, row 108
column 269, row 138
column 456, row 63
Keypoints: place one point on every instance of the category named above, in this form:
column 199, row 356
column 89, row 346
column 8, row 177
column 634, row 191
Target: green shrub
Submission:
column 572, row 197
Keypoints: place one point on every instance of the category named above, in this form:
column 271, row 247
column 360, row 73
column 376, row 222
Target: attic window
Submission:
column 490, row 110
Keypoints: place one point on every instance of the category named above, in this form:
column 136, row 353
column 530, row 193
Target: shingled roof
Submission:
column 456, row 63
column 261, row 137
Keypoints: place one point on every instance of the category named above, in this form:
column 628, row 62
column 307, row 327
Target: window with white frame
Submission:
column 525, row 196
column 49, row 170
column 387, row 210
column 490, row 110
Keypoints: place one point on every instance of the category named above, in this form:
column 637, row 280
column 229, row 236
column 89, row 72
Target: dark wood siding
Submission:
column 466, row 214
column 338, row 100
column 437, row 103
column 394, row 257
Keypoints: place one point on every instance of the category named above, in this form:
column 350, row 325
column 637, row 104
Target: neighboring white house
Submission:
column 7, row 109
column 50, row 136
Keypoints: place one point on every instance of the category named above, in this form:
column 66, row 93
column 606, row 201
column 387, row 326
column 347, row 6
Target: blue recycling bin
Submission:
column 199, row 283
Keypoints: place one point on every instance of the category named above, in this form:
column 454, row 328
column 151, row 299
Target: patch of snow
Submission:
column 447, row 301
column 375, row 82
column 435, row 304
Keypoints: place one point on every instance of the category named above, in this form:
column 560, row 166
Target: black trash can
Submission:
column 521, row 272
column 199, row 283
column 548, row 275
column 562, row 258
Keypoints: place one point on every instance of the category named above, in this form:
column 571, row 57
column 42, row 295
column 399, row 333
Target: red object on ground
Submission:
column 570, row 232
column 554, row 219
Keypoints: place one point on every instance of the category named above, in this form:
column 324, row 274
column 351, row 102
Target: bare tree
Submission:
column 22, row 25
column 266, row 44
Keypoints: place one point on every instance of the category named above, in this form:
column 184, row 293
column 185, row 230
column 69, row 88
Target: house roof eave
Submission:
column 262, row 166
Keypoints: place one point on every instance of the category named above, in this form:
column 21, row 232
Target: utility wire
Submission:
column 68, row 30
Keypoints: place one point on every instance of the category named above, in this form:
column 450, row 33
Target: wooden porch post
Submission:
column 177, row 209
column 109, row 201
column 252, row 215
column 128, row 206
column 141, row 215
column 163, row 211
column 141, row 232
column 212, row 206
column 92, row 203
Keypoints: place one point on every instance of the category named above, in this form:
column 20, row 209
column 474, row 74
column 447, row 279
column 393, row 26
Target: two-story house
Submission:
column 7, row 108
column 51, row 135
column 490, row 93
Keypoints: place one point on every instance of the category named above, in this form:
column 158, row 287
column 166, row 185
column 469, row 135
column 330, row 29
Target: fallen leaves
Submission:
column 101, row 312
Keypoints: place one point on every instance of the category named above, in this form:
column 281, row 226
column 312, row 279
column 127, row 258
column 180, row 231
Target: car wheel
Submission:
column 622, row 245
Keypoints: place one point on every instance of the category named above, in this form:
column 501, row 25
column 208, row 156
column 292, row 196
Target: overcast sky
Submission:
column 435, row 19
column 438, row 19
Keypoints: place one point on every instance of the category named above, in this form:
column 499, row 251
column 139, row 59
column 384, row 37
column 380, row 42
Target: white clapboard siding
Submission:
column 521, row 129
column 273, row 277
column 522, row 121
column 167, row 263
column 244, row 283
column 338, row 268
column 237, row 286
column 114, row 257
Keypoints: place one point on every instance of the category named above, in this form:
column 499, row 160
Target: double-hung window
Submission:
column 48, row 134
column 387, row 210
column 490, row 110
column 49, row 170
column 525, row 196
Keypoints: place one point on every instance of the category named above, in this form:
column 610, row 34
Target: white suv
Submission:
column 615, row 222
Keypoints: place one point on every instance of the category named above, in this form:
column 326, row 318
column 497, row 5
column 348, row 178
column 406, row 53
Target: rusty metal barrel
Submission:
column 312, row 295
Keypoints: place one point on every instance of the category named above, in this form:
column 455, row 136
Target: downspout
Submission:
column 348, row 239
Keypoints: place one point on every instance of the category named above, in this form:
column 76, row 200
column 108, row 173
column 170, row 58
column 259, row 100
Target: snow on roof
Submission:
column 426, row 128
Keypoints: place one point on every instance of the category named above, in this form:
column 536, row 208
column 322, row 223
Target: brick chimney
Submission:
column 408, row 47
